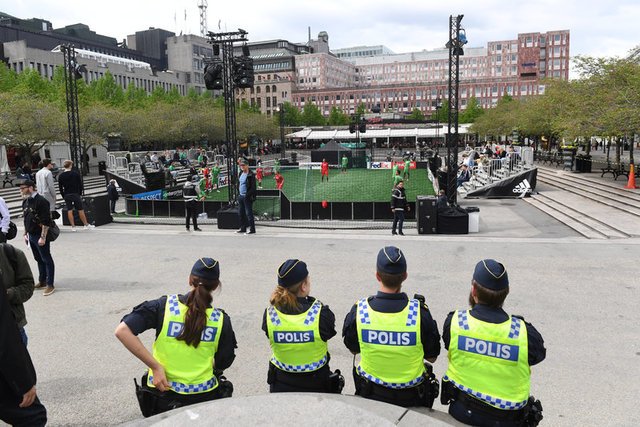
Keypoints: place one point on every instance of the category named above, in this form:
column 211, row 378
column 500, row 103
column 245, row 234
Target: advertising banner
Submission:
column 516, row 186
column 149, row 195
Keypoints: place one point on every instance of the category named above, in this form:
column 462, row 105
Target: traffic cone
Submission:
column 631, row 184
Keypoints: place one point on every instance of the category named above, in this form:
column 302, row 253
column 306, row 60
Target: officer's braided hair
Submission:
column 198, row 301
column 285, row 299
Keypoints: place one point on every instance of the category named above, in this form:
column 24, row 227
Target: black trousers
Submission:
column 398, row 220
column 11, row 413
column 477, row 417
column 191, row 208
column 307, row 382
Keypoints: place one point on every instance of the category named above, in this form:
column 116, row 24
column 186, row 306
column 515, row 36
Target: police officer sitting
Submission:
column 393, row 334
column 194, row 344
column 298, row 327
column 490, row 353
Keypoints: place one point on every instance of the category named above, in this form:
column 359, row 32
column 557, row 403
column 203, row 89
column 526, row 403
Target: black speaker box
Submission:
column 96, row 209
column 228, row 218
column 453, row 221
column 426, row 214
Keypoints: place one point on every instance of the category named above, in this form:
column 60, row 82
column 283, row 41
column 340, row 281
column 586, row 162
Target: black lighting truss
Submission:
column 455, row 50
column 71, row 67
column 225, row 43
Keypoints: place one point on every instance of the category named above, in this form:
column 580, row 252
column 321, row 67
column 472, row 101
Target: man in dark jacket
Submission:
column 37, row 220
column 19, row 404
column 18, row 283
column 398, row 206
column 112, row 193
column 246, row 198
column 191, row 196
column 70, row 183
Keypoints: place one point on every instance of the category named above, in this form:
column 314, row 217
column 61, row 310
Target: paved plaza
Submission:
column 581, row 294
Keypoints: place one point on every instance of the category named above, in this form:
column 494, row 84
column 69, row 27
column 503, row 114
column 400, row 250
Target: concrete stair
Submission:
column 93, row 185
column 592, row 206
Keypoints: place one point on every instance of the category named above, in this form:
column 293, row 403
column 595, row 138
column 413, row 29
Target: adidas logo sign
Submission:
column 523, row 188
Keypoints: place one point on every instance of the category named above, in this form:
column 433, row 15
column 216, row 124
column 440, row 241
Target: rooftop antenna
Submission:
column 202, row 5
column 309, row 27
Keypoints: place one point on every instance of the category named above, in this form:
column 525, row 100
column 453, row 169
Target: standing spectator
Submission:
column 324, row 170
column 19, row 403
column 398, row 206
column 45, row 184
column 18, row 283
column 5, row 219
column 70, row 183
column 246, row 198
column 37, row 220
column 112, row 193
column 190, row 195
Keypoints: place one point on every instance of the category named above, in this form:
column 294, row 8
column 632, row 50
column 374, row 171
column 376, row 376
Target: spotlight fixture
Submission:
column 77, row 70
column 213, row 76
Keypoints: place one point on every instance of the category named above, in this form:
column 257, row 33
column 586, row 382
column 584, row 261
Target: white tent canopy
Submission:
column 344, row 134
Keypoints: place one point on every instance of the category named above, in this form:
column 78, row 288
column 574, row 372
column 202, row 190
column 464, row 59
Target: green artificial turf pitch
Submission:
column 356, row 185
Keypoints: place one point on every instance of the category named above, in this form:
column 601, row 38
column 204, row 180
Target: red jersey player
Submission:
column 279, row 180
column 324, row 169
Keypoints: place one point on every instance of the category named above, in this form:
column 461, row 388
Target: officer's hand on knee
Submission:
column 160, row 379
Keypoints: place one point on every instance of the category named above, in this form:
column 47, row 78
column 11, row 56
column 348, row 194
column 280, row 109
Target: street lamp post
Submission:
column 281, row 116
column 438, row 107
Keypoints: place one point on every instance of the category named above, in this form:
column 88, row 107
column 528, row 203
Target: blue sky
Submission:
column 598, row 28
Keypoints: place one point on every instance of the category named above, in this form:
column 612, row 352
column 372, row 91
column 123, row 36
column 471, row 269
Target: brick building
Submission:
column 401, row 82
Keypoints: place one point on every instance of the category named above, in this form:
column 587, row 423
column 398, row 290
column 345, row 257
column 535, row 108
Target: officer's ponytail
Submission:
column 198, row 302
column 285, row 299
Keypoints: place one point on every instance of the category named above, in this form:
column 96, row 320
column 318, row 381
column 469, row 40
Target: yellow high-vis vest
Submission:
column 391, row 353
column 489, row 361
column 295, row 340
column 189, row 370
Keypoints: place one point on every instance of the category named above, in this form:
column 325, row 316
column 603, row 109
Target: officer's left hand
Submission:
column 160, row 379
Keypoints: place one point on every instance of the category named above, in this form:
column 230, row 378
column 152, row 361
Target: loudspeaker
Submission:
column 228, row 218
column 96, row 209
column 453, row 221
column 427, row 214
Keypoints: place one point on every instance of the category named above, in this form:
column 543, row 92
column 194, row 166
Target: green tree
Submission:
column 30, row 83
column 106, row 90
column 472, row 112
column 8, row 79
column 337, row 117
column 442, row 114
column 29, row 122
column 311, row 115
column 291, row 115
column 416, row 114
column 361, row 109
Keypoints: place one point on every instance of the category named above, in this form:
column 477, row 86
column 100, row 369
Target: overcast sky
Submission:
column 598, row 28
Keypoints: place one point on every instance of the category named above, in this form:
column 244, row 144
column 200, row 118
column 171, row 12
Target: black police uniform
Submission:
column 316, row 381
column 476, row 412
column 150, row 315
column 393, row 303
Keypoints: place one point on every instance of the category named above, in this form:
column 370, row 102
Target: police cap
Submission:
column 206, row 268
column 490, row 274
column 391, row 260
column 291, row 272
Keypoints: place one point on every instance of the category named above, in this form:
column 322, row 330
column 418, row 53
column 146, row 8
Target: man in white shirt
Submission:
column 4, row 220
column 45, row 184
